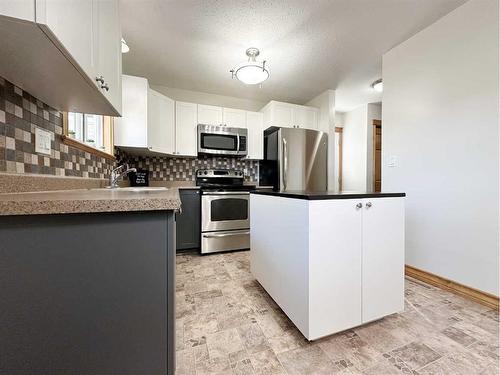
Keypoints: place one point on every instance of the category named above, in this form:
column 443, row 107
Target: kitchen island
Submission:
column 331, row 261
column 87, row 281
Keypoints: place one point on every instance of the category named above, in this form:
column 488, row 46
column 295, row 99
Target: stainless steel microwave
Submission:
column 222, row 140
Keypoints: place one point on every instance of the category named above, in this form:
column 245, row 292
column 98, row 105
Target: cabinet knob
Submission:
column 369, row 204
column 100, row 79
column 105, row 86
column 359, row 205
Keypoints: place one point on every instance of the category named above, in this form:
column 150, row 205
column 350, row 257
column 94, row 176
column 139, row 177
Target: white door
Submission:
column 281, row 115
column 255, row 142
column 305, row 117
column 22, row 9
column 109, row 53
column 383, row 257
column 235, row 118
column 161, row 124
column 209, row 114
column 186, row 135
column 335, row 284
column 70, row 24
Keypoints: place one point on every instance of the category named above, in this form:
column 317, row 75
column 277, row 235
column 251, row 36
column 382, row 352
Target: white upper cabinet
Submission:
column 77, row 47
column 161, row 123
column 20, row 9
column 278, row 114
column 109, row 53
column 288, row 115
column 186, row 135
column 147, row 122
column 70, row 24
column 235, row 118
column 130, row 130
column 209, row 114
column 305, row 117
column 254, row 121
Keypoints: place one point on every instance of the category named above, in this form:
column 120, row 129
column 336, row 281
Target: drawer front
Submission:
column 225, row 240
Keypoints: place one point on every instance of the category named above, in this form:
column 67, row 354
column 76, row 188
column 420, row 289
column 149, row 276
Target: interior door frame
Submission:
column 376, row 124
column 340, row 131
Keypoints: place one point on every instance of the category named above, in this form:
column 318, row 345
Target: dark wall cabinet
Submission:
column 188, row 222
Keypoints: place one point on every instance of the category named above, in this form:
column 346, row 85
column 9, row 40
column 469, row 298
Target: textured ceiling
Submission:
column 310, row 45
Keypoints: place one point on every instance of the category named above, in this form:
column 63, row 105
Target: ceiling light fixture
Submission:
column 378, row 85
column 125, row 47
column 251, row 72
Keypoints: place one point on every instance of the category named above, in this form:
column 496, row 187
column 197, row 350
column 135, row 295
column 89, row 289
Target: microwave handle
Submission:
column 238, row 142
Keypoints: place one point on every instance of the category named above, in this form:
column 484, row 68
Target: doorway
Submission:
column 377, row 155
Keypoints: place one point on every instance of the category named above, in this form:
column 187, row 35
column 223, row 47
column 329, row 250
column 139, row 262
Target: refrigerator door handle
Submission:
column 285, row 163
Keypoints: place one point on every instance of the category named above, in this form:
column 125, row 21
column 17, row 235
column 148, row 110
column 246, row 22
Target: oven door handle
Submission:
column 235, row 233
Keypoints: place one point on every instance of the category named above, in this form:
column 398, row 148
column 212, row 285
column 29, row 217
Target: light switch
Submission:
column 393, row 161
column 42, row 141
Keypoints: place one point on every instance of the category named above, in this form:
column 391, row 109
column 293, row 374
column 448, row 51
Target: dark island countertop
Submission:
column 322, row 195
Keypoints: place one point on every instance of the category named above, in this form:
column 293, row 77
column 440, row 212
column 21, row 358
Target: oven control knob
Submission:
column 205, row 172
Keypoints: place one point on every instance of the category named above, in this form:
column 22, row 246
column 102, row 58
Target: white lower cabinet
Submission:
column 335, row 259
column 329, row 264
column 383, row 258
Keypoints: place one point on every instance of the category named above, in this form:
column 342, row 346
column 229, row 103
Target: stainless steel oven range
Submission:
column 225, row 217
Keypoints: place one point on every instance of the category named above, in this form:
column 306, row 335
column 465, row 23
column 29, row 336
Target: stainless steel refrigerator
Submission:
column 294, row 159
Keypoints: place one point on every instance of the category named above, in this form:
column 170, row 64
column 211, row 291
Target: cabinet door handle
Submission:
column 369, row 204
column 100, row 79
column 105, row 86
column 359, row 205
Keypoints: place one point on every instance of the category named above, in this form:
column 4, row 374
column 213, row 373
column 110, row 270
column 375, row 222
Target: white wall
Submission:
column 354, row 153
column 209, row 99
column 440, row 120
column 325, row 102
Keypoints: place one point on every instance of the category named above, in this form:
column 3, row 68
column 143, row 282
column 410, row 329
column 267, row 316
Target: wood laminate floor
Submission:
column 228, row 324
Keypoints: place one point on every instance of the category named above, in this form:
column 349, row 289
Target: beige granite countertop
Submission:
column 87, row 201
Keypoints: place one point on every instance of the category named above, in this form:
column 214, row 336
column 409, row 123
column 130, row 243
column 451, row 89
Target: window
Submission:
column 89, row 132
column 86, row 128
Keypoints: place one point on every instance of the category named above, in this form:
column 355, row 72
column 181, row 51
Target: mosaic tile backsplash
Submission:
column 184, row 169
column 20, row 114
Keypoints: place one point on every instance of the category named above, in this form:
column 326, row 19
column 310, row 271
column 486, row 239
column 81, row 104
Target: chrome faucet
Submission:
column 120, row 171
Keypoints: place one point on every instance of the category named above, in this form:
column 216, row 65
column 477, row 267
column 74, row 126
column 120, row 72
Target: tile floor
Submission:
column 228, row 324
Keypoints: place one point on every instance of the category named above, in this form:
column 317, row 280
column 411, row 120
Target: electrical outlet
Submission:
column 42, row 141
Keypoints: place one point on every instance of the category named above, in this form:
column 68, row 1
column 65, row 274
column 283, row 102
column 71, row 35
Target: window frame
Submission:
column 107, row 137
